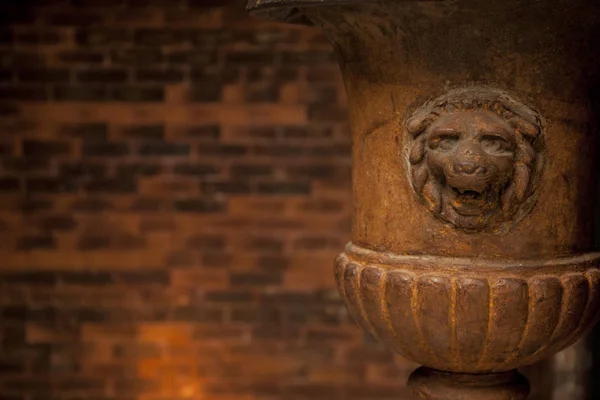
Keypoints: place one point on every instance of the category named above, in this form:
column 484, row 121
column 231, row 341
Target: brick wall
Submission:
column 174, row 186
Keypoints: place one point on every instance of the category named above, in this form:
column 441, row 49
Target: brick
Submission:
column 13, row 335
column 105, row 75
column 321, row 206
column 42, row 278
column 327, row 113
column 23, row 93
column 105, row 149
column 35, row 385
column 208, row 132
column 16, row 58
column 82, row 169
column 144, row 276
column 192, row 57
column 50, row 185
column 284, row 188
column 312, row 243
column 320, row 94
column 308, row 57
column 195, row 169
column 161, row 148
column 251, row 57
column 12, row 367
column 90, row 386
column 148, row 204
column 252, row 315
column 93, row 242
column 30, row 206
column 38, row 37
column 49, row 75
column 150, row 131
column 310, row 131
column 138, row 93
column 279, row 151
column 74, row 19
column 259, row 132
column 97, row 131
column 160, row 37
column 27, row 164
column 195, row 314
column 321, row 335
column 27, row 243
column 317, row 74
column 134, row 387
column 261, row 93
column 226, row 150
column 226, row 187
column 207, row 242
column 46, row 148
column 251, row 170
column 137, row 350
column 91, row 205
column 199, row 205
column 58, row 223
column 252, row 279
column 378, row 355
column 80, row 57
column 80, row 93
column 122, row 184
column 139, row 169
column 229, row 296
column 340, row 150
column 136, row 56
column 272, row 263
column 10, row 185
column 6, row 149
column 6, row 75
column 206, row 93
column 9, row 110
column 101, row 36
column 85, row 278
column 265, row 244
column 225, row 75
column 159, row 75
column 313, row 171
column 276, row 76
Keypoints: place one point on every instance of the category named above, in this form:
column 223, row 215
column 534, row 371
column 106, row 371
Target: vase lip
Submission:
column 287, row 10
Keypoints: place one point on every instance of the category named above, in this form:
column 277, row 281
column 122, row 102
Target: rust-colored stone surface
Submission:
column 474, row 161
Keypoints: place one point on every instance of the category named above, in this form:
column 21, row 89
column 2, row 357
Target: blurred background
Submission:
column 174, row 187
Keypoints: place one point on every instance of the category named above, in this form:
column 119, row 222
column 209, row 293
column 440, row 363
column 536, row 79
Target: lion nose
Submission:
column 469, row 168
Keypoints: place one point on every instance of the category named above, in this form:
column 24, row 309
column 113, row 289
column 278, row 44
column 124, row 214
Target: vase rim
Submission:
column 287, row 10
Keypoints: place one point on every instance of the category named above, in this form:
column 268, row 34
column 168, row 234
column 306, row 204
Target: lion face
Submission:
column 471, row 154
column 474, row 157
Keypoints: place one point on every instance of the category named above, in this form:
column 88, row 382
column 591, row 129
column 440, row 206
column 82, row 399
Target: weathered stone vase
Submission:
column 474, row 129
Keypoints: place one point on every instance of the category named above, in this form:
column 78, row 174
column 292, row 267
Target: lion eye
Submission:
column 495, row 144
column 444, row 142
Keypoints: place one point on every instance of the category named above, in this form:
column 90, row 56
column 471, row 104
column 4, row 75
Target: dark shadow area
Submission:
column 594, row 336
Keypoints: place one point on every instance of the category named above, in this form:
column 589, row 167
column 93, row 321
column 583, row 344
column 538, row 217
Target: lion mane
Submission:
column 528, row 126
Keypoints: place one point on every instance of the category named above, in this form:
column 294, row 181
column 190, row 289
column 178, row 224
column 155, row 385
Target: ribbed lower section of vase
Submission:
column 469, row 315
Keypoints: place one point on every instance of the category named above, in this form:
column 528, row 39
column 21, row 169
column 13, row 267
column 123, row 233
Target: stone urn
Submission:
column 474, row 130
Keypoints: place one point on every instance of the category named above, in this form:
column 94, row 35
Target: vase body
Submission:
column 474, row 129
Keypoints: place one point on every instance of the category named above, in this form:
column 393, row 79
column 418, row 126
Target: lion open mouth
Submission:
column 467, row 194
column 468, row 201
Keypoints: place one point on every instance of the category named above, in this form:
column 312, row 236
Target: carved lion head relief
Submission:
column 475, row 156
